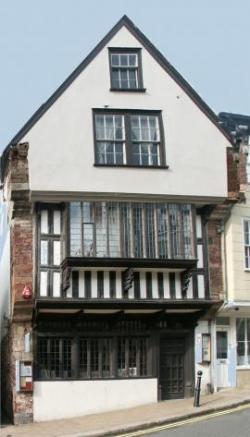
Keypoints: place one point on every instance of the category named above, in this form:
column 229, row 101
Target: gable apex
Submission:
column 154, row 52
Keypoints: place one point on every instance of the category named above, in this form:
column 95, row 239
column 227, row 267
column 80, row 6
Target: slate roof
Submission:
column 236, row 125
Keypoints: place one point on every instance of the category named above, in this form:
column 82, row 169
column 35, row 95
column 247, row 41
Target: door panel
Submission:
column 171, row 379
column 222, row 358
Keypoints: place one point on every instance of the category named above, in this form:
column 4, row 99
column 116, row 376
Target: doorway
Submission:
column 171, row 380
column 222, row 358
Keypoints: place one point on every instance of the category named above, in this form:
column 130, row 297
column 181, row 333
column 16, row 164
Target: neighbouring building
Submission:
column 116, row 189
column 232, row 329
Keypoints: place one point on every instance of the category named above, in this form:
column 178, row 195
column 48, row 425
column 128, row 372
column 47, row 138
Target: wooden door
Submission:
column 171, row 379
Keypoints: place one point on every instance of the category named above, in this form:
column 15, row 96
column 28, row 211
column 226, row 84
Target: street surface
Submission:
column 228, row 425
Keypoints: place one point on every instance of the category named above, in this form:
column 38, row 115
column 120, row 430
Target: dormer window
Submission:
column 125, row 70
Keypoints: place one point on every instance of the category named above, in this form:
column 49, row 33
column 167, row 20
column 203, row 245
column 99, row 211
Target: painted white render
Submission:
column 238, row 278
column 203, row 327
column 64, row 399
column 61, row 153
column 4, row 268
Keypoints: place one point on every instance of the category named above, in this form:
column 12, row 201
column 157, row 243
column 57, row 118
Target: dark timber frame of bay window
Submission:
column 105, row 230
column 135, row 68
column 93, row 356
column 125, row 143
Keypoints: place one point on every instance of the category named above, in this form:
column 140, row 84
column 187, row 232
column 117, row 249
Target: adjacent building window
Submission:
column 131, row 230
column 125, row 69
column 247, row 243
column 128, row 139
column 94, row 357
column 243, row 341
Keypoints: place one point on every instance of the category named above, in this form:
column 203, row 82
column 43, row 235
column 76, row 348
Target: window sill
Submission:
column 149, row 167
column 244, row 367
column 109, row 378
column 129, row 90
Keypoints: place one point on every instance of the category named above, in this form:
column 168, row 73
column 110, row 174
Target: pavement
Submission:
column 119, row 422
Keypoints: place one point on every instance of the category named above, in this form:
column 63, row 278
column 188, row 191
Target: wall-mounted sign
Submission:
column 24, row 376
column 206, row 348
column 27, row 338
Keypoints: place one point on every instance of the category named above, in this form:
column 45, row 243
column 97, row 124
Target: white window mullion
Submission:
column 105, row 152
column 128, row 79
column 246, row 356
column 158, row 154
column 150, row 161
column 156, row 232
column 141, row 153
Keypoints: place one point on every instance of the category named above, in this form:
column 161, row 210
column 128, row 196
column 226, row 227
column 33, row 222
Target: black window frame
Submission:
column 127, row 114
column 137, row 235
column 71, row 366
column 50, row 237
column 128, row 51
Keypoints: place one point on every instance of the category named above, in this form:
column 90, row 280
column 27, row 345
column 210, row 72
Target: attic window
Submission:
column 125, row 70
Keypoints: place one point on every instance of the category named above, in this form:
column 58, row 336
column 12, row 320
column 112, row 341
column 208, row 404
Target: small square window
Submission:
column 125, row 69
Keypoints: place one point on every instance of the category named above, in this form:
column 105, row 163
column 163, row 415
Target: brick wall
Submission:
column 236, row 170
column 21, row 261
column 215, row 271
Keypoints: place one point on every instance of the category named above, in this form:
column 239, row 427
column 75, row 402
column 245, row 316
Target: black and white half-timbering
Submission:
column 126, row 165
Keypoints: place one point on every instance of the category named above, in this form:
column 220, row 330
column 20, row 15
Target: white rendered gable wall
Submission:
column 61, row 153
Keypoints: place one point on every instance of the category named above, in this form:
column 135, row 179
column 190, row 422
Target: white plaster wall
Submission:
column 4, row 268
column 61, row 154
column 202, row 328
column 64, row 399
column 238, row 278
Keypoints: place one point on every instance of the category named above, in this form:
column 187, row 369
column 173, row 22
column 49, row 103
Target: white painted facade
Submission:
column 237, row 302
column 65, row 134
column 238, row 277
column 64, row 399
column 4, row 269
column 204, row 327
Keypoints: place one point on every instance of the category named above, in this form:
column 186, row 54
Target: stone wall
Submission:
column 19, row 404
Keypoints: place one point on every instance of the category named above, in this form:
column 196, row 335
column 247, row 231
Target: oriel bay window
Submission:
column 93, row 357
column 127, row 138
column 131, row 230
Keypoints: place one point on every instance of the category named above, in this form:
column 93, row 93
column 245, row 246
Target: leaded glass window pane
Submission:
column 127, row 229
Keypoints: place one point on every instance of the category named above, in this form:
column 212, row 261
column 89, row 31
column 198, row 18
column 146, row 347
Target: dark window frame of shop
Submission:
column 93, row 357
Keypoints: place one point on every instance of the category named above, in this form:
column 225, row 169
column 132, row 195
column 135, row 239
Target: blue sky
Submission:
column 42, row 41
